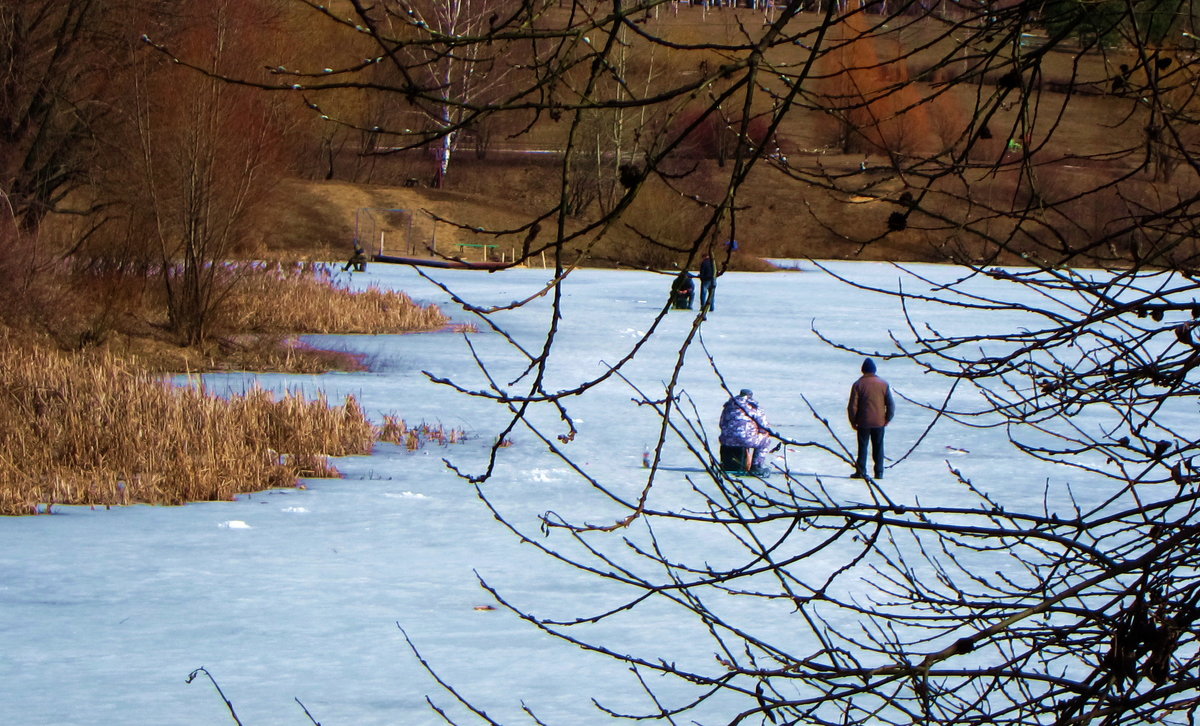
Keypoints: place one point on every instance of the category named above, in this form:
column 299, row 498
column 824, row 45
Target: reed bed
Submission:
column 314, row 298
column 395, row 430
column 98, row 431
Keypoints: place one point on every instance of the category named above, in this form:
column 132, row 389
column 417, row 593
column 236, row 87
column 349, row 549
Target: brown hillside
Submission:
column 781, row 212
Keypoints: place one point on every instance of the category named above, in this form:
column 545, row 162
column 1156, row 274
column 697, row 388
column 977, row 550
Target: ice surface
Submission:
column 302, row 593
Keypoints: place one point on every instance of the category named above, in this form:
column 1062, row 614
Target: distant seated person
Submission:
column 681, row 291
column 744, row 434
column 358, row 260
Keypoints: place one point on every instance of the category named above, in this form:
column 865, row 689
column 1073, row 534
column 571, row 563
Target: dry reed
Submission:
column 313, row 298
column 396, row 431
column 76, row 430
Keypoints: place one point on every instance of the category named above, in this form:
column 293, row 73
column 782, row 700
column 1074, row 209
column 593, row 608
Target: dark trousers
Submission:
column 708, row 294
column 874, row 438
column 743, row 458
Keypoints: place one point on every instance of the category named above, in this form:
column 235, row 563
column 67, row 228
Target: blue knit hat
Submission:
column 868, row 366
column 745, row 392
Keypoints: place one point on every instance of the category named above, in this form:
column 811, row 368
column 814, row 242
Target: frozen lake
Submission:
column 302, row 594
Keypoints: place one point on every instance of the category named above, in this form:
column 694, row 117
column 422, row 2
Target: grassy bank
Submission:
column 97, row 430
column 267, row 305
column 313, row 298
column 101, row 426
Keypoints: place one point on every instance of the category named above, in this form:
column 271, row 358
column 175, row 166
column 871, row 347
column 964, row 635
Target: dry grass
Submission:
column 314, row 298
column 94, row 430
column 267, row 306
column 396, row 431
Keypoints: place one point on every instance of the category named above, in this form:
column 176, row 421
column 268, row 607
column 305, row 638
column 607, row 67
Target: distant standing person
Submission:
column 870, row 410
column 708, row 283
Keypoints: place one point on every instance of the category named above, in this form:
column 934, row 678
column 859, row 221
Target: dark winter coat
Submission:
column 871, row 404
column 708, row 271
column 683, row 284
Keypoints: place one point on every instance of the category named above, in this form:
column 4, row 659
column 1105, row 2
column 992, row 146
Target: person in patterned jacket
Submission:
column 744, row 425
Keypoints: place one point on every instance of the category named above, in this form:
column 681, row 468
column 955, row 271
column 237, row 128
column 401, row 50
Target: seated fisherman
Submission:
column 358, row 260
column 744, row 425
column 681, row 291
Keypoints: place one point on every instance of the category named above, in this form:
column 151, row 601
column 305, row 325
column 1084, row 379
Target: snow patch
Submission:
column 235, row 524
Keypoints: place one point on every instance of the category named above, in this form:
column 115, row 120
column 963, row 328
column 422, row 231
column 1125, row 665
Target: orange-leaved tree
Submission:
column 867, row 93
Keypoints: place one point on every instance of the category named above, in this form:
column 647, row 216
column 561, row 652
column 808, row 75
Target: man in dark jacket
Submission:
column 358, row 260
column 708, row 283
column 870, row 409
column 681, row 291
